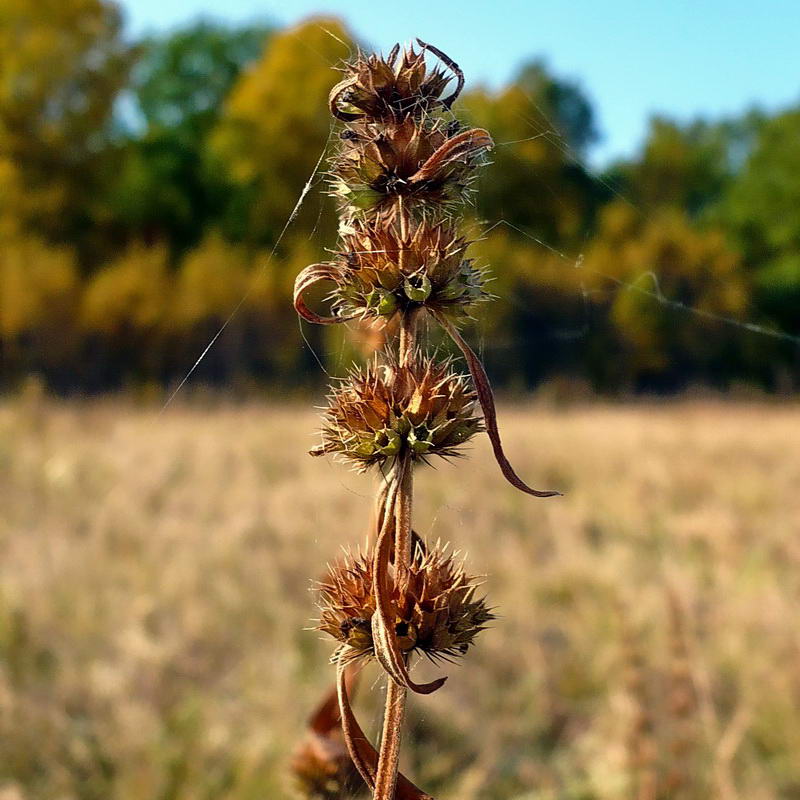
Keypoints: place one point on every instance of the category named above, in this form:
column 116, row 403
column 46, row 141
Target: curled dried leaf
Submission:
column 458, row 150
column 486, row 398
column 451, row 98
column 384, row 621
column 364, row 755
column 308, row 278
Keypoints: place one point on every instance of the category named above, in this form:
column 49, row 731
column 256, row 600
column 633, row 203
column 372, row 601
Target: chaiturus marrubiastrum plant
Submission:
column 401, row 174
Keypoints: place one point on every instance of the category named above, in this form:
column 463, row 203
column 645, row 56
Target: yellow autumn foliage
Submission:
column 62, row 63
column 212, row 280
column 38, row 284
column 275, row 123
column 131, row 293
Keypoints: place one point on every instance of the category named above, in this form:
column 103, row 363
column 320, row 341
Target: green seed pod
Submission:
column 389, row 442
column 382, row 302
column 419, row 441
column 417, row 287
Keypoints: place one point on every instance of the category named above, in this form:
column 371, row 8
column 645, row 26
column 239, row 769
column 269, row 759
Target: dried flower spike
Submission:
column 402, row 169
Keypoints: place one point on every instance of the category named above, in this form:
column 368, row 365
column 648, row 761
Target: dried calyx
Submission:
column 436, row 609
column 387, row 410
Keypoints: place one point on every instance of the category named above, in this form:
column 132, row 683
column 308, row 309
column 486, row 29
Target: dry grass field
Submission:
column 155, row 590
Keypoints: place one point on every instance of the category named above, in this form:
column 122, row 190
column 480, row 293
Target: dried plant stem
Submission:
column 394, row 712
column 388, row 760
column 408, row 337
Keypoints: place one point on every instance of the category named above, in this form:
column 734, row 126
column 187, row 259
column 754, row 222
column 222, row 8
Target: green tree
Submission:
column 687, row 166
column 760, row 212
column 761, row 206
column 560, row 105
column 168, row 189
column 183, row 78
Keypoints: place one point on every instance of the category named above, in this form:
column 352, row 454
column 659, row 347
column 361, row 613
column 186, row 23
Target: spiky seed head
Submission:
column 437, row 611
column 425, row 160
column 389, row 88
column 389, row 268
column 323, row 770
column 385, row 410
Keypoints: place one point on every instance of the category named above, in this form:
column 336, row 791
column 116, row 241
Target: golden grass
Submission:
column 155, row 585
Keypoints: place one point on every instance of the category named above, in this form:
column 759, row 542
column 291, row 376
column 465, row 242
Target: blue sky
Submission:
column 632, row 57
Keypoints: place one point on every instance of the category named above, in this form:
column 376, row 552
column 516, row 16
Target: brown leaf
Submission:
column 364, row 755
column 459, row 147
column 384, row 636
column 310, row 276
column 486, row 399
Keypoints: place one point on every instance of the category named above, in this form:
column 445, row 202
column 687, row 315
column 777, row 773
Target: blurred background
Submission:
column 640, row 221
column 147, row 172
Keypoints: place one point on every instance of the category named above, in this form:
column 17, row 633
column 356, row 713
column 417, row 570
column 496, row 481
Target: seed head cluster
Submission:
column 438, row 612
column 428, row 164
column 385, row 271
column 388, row 410
column 389, row 89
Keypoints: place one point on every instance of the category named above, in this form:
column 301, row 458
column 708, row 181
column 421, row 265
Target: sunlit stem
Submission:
column 394, row 712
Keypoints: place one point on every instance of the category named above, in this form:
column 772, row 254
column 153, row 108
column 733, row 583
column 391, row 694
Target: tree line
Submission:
column 145, row 189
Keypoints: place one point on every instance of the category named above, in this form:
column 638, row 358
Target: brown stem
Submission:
column 388, row 760
column 394, row 713
column 408, row 337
